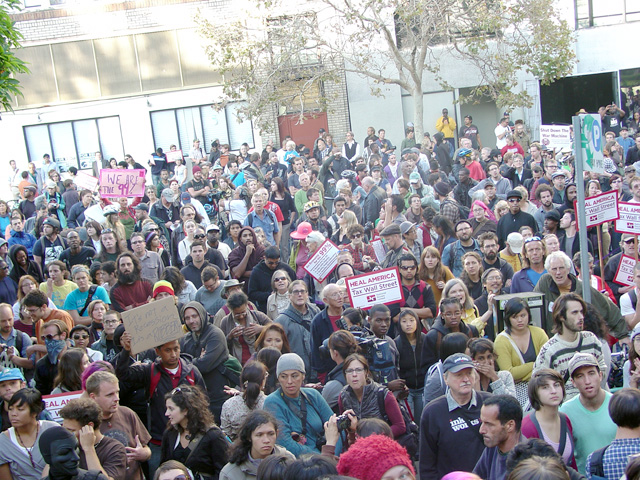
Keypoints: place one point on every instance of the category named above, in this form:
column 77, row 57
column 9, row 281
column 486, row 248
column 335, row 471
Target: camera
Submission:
column 343, row 422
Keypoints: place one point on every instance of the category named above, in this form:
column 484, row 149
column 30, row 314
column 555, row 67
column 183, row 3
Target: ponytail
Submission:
column 251, row 378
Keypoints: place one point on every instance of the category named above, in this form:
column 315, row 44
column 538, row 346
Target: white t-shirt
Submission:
column 501, row 142
column 626, row 308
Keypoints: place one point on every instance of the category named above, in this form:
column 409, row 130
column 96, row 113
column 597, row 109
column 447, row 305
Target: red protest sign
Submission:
column 369, row 289
column 323, row 261
column 599, row 209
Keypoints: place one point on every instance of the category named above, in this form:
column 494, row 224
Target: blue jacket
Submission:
column 520, row 282
column 453, row 253
column 321, row 329
column 22, row 238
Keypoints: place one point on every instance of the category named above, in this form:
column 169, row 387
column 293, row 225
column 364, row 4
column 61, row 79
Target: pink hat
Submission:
column 303, row 230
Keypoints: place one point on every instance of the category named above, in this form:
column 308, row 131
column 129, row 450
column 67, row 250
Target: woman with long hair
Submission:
column 445, row 231
column 22, row 265
column 252, row 379
column 96, row 310
column 112, row 221
column 409, row 343
column 184, row 289
column 81, row 339
column 25, row 285
column 70, row 367
column 341, row 344
column 189, row 227
column 272, row 335
column 546, row 394
column 5, row 217
column 517, row 347
column 192, row 436
column 269, row 357
column 432, row 271
column 151, row 194
column 345, row 222
column 470, row 314
column 256, row 441
column 500, row 209
column 94, row 229
column 278, row 301
column 472, row 270
column 154, row 244
column 110, row 247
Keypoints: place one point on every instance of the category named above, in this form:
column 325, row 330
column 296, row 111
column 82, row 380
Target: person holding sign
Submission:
column 627, row 245
column 629, row 306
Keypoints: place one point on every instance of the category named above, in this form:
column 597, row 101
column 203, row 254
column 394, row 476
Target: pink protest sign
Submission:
column 121, row 183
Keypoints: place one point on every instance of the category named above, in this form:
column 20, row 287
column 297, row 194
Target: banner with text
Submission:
column 629, row 220
column 173, row 155
column 153, row 324
column 369, row 289
column 121, row 183
column 323, row 261
column 556, row 136
column 599, row 209
column 84, row 181
column 624, row 274
column 54, row 403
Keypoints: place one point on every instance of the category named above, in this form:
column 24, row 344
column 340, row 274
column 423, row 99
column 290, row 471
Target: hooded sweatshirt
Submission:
column 17, row 271
column 209, row 350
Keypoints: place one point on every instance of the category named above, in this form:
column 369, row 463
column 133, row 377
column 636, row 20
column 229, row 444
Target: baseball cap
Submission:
column 185, row 197
column 406, row 226
column 213, row 226
column 456, row 362
column 167, row 193
column 581, row 359
column 414, row 177
column 52, row 222
column 142, row 206
column 515, row 241
column 303, row 230
column 11, row 374
column 311, row 205
column 217, row 166
column 557, row 174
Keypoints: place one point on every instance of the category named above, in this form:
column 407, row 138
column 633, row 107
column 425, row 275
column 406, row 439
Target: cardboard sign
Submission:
column 555, row 136
column 153, row 324
column 378, row 248
column 629, row 220
column 624, row 274
column 121, row 183
column 173, row 155
column 84, row 181
column 600, row 209
column 54, row 403
column 369, row 289
column 323, row 261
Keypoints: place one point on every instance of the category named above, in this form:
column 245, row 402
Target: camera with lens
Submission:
column 344, row 422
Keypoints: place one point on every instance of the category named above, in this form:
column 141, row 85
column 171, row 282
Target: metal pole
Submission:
column 582, row 217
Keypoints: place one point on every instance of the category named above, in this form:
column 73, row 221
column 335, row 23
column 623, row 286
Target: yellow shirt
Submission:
column 59, row 292
column 513, row 260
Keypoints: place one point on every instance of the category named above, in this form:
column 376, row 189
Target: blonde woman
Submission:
column 432, row 271
column 470, row 315
column 501, row 209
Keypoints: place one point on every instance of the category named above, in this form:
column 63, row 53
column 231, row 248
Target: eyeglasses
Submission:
column 6, row 267
column 199, row 236
column 111, row 322
column 532, row 239
column 350, row 371
column 298, row 292
column 356, row 235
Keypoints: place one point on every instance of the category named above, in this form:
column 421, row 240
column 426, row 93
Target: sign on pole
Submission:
column 369, row 289
column 555, row 136
column 152, row 324
column 122, row 183
column 599, row 209
column 624, row 274
column 580, row 211
column 54, row 403
column 591, row 142
column 629, row 220
column 323, row 261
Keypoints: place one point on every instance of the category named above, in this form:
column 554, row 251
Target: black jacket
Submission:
column 411, row 368
column 433, row 339
column 259, row 287
column 372, row 204
column 515, row 179
column 207, row 457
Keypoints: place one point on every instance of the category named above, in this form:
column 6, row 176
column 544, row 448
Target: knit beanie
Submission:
column 290, row 361
column 371, row 457
column 162, row 286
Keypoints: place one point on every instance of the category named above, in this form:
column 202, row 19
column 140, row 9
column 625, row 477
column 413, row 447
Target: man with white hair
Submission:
column 373, row 201
column 559, row 280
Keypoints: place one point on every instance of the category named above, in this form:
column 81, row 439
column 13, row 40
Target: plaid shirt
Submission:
column 365, row 251
column 449, row 209
column 616, row 457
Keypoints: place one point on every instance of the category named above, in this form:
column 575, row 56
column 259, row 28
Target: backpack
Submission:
column 464, row 211
column 409, row 439
column 271, row 215
column 380, row 357
column 595, row 464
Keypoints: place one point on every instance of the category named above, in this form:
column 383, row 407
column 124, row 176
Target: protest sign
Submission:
column 84, row 181
column 555, row 136
column 121, row 183
column 624, row 274
column 173, row 155
column 323, row 261
column 378, row 248
column 375, row 288
column 94, row 212
column 629, row 220
column 153, row 324
column 54, row 403
column 600, row 209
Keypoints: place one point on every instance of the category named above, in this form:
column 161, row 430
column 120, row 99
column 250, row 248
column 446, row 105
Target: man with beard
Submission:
column 207, row 345
column 544, row 197
column 559, row 280
column 453, row 253
column 246, row 255
column 131, row 290
column 51, row 245
column 76, row 254
column 200, row 187
column 489, row 247
column 512, row 221
column 418, row 295
column 533, row 258
column 568, row 321
column 392, row 239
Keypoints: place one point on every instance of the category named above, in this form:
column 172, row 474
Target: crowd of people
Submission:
column 276, row 376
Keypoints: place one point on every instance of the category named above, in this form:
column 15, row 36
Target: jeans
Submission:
column 415, row 402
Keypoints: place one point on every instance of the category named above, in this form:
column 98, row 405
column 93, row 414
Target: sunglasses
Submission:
column 533, row 239
column 280, row 279
column 80, row 337
column 199, row 235
column 357, row 235
column 107, row 230
column 513, row 200
column 49, row 337
column 629, row 241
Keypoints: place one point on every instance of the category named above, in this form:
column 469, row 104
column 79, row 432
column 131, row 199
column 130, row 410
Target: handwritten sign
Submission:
column 624, row 274
column 378, row 248
column 84, row 181
column 173, row 155
column 54, row 403
column 600, row 209
column 121, row 183
column 629, row 220
column 153, row 324
column 374, row 288
column 555, row 136
column 323, row 261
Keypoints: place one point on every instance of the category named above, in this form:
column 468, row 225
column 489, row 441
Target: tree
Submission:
column 9, row 64
column 275, row 52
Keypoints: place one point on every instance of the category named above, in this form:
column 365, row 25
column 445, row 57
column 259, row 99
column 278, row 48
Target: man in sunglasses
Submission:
column 260, row 280
column 512, row 221
column 151, row 263
column 54, row 334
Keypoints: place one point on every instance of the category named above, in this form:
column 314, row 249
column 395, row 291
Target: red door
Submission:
column 302, row 133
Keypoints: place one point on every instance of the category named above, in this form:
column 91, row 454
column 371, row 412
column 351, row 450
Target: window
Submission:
column 595, row 13
column 182, row 126
column 74, row 144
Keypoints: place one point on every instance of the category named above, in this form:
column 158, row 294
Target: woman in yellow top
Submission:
column 470, row 314
column 57, row 287
column 518, row 346
column 432, row 271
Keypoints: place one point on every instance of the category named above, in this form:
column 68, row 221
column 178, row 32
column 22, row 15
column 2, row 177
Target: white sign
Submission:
column 173, row 155
column 369, row 289
column 378, row 248
column 323, row 261
column 94, row 212
column 600, row 209
column 629, row 221
column 84, row 181
column 54, row 403
column 591, row 142
column 555, row 136
column 624, row 274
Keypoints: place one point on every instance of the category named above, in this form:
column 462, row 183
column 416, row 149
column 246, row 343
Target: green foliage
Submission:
column 9, row 64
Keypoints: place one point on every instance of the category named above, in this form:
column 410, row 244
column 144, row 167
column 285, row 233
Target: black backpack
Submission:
column 595, row 464
column 409, row 439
